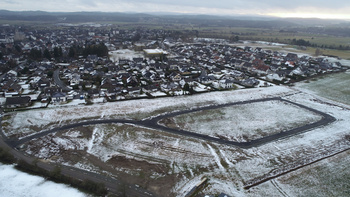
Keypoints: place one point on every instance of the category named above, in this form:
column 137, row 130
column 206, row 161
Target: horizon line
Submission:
column 187, row 14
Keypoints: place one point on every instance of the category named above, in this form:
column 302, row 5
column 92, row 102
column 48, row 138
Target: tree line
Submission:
column 302, row 42
column 100, row 50
column 75, row 51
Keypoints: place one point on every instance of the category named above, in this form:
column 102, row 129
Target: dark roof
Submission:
column 138, row 59
column 223, row 195
column 58, row 94
column 292, row 57
column 94, row 91
column 18, row 100
column 51, row 90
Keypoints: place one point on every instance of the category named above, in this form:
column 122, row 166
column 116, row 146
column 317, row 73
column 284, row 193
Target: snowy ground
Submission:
column 14, row 183
column 345, row 62
column 25, row 123
column 228, row 168
column 201, row 88
column 316, row 179
column 334, row 86
column 130, row 141
column 246, row 122
column 115, row 56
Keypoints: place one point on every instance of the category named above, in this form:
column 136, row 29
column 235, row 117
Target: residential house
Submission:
column 189, row 81
column 274, row 77
column 93, row 93
column 251, row 82
column 93, row 58
column 151, row 88
column 59, row 97
column 170, row 87
column 237, row 75
column 207, row 79
column 75, row 79
column 11, row 88
column 292, row 57
column 226, row 84
column 42, row 84
column 134, row 90
column 245, row 66
column 111, row 92
column 49, row 91
column 14, row 102
column 132, row 81
column 223, row 195
column 108, row 83
column 175, row 77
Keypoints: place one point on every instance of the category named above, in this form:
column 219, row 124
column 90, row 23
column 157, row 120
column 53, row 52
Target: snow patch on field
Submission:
column 228, row 187
column 226, row 159
column 97, row 138
column 248, row 121
column 15, row 183
column 132, row 108
column 185, row 186
column 216, row 157
column 185, row 153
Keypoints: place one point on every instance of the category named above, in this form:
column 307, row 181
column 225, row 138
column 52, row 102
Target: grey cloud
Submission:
column 243, row 4
column 9, row 2
column 185, row 6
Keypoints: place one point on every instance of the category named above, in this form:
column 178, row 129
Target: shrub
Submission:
column 6, row 157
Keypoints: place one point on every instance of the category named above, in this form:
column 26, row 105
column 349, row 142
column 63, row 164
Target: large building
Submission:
column 155, row 53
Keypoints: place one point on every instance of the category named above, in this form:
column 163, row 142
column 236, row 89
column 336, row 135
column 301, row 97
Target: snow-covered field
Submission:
column 14, row 183
column 316, row 179
column 25, row 123
column 124, row 54
column 131, row 141
column 334, row 86
column 246, row 122
column 228, row 168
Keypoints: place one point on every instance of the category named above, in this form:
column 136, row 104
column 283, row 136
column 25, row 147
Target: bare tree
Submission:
column 318, row 52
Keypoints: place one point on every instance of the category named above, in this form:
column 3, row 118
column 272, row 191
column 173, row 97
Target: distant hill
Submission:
column 162, row 18
column 315, row 21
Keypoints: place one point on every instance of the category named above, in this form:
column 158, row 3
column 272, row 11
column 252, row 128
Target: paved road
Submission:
column 114, row 185
column 15, row 142
column 326, row 119
column 58, row 81
column 153, row 123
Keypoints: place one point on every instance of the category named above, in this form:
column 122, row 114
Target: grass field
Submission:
column 334, row 87
column 315, row 180
column 259, row 34
column 164, row 162
column 246, row 122
column 226, row 32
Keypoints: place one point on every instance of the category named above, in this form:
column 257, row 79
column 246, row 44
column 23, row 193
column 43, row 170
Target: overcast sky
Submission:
column 295, row 8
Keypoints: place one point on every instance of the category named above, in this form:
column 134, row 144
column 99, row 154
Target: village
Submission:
column 84, row 64
column 255, row 130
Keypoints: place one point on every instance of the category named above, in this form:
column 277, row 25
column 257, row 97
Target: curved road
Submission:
column 58, row 81
column 153, row 123
column 114, row 185
column 326, row 119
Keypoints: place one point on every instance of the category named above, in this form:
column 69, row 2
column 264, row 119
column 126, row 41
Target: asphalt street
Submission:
column 58, row 81
column 114, row 185
column 153, row 123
